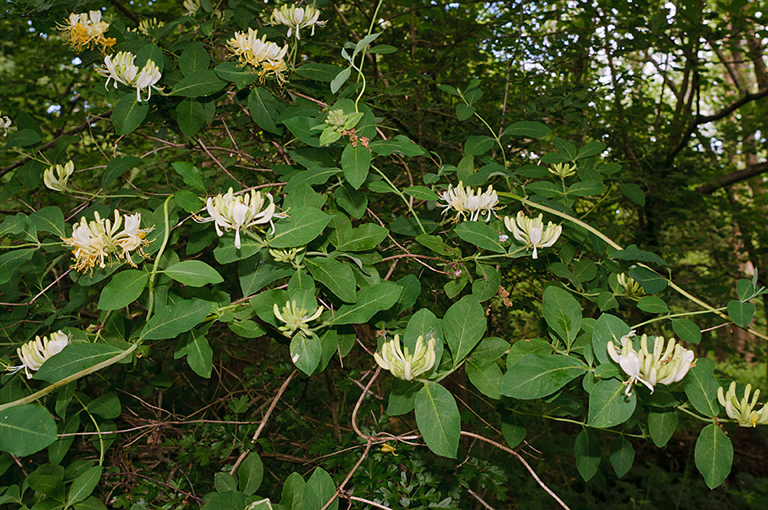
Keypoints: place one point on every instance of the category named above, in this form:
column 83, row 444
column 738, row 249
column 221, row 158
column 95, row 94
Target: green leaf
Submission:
column 661, row 426
column 241, row 76
column 190, row 174
column 200, row 354
column 436, row 244
column 366, row 237
column 745, row 289
column 633, row 253
column 649, row 280
column 83, row 485
column 355, row 162
column 587, row 451
column 26, row 429
column 565, row 148
column 701, row 387
column 117, row 167
column 319, row 490
column 687, row 330
column 589, row 150
column 481, row 235
column 194, row 58
column 73, row 359
column 400, row 144
column 513, row 430
column 12, row 261
column 303, row 226
column 177, row 318
column 653, row 304
column 149, row 52
column 402, row 398
column 254, row 274
column 293, row 493
column 622, row 456
column 633, row 192
column 129, row 114
column 381, row 296
column 713, row 455
column 437, row 417
column 527, row 129
column 741, row 313
column 224, row 482
column 536, row 376
column 478, row 145
column 586, row 189
column 263, row 107
column 107, row 406
column 306, row 352
column 562, row 313
column 464, row 111
column 194, row 273
column 487, row 285
column 463, row 325
column 486, row 376
column 335, row 275
column 250, row 473
column 609, row 405
column 351, row 200
column 318, row 72
column 608, row 328
column 23, row 138
column 48, row 219
column 490, row 348
column 197, row 84
column 340, row 79
column 421, row 193
column 190, row 115
column 123, row 289
column 226, row 252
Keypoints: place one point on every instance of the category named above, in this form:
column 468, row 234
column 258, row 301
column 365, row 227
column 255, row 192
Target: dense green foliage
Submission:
column 377, row 186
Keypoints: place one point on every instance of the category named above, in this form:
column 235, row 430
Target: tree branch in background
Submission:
column 733, row 177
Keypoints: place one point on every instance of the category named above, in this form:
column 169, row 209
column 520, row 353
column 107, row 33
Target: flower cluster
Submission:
column 662, row 365
column 743, row 411
column 403, row 364
column 148, row 26
column 5, row 124
column 296, row 18
column 337, row 123
column 295, row 318
column 531, row 231
column 228, row 211
column 292, row 256
column 192, row 6
column 263, row 55
column 122, row 69
column 465, row 200
column 86, row 31
column 562, row 170
column 632, row 289
column 56, row 177
column 96, row 241
column 34, row 353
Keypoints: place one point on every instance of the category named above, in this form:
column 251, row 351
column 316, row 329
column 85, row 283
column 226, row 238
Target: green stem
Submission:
column 154, row 272
column 360, row 74
column 684, row 409
column 616, row 246
column 673, row 315
column 402, row 196
column 67, row 380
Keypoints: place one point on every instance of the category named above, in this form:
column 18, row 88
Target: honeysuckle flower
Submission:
column 743, row 411
column 86, row 30
column 562, row 170
column 122, row 69
column 35, row 352
column 244, row 211
column 296, row 18
column 192, row 6
column 632, row 289
column 96, row 241
column 468, row 201
column 259, row 53
column 5, row 124
column 56, row 177
column 403, row 364
column 662, row 365
column 531, row 231
column 295, row 318
column 291, row 256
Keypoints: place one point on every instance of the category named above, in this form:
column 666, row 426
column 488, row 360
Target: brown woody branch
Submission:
column 733, row 177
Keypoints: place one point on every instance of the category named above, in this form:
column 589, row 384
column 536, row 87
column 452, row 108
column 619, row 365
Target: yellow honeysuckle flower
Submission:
column 86, row 30
column 259, row 53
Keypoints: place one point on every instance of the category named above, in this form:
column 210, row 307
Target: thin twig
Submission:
column 359, row 403
column 340, row 490
column 264, row 421
column 54, row 282
column 200, row 141
column 187, row 494
column 480, row 500
column 366, row 501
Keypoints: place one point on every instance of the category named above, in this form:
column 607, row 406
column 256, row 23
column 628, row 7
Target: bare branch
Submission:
column 733, row 177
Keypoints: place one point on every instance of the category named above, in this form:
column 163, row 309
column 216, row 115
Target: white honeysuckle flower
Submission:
column 403, row 364
column 295, row 318
column 35, row 352
column 96, row 241
column 296, row 18
column 531, row 231
column 743, row 411
column 261, row 54
column 5, row 124
column 149, row 75
column 86, row 30
column 192, row 6
column 244, row 211
column 468, row 201
column 122, row 69
column 56, row 177
column 665, row 364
